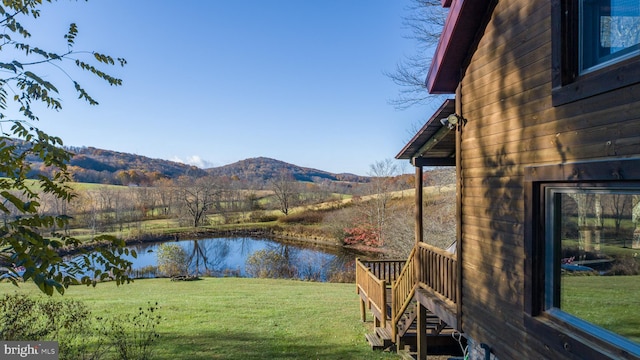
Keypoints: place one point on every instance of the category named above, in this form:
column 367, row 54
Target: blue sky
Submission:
column 218, row 81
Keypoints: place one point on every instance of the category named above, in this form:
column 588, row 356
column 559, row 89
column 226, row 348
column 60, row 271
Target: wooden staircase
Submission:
column 395, row 294
column 440, row 335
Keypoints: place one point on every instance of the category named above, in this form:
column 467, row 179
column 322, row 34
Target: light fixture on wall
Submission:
column 450, row 121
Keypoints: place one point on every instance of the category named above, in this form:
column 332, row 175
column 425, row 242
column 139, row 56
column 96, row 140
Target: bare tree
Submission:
column 286, row 191
column 231, row 199
column 371, row 225
column 620, row 205
column 424, row 21
column 166, row 195
column 87, row 208
column 197, row 196
column 208, row 255
column 381, row 186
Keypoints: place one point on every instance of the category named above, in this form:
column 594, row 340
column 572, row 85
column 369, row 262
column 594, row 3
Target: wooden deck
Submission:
column 399, row 292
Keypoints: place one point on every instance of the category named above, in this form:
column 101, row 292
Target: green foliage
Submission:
column 68, row 322
column 25, row 318
column 172, row 260
column 79, row 334
column 23, row 239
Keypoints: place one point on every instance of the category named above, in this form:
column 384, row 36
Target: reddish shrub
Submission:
column 362, row 234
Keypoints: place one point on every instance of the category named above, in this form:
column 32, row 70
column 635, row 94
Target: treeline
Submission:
column 376, row 215
column 191, row 201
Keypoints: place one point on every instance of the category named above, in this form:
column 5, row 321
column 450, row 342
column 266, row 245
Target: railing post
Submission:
column 358, row 277
column 383, row 303
column 394, row 321
column 417, row 263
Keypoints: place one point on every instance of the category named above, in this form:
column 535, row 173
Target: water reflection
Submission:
column 246, row 257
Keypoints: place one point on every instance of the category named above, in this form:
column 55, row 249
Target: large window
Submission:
column 596, row 47
column 592, row 263
column 582, row 243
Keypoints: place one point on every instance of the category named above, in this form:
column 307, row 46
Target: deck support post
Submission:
column 422, row 332
column 363, row 310
column 418, row 204
column 419, row 226
column 400, row 343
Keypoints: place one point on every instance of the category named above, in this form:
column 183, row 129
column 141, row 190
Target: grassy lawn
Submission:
column 611, row 302
column 238, row 318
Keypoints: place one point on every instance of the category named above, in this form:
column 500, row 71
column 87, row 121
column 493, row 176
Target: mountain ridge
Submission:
column 90, row 164
column 268, row 168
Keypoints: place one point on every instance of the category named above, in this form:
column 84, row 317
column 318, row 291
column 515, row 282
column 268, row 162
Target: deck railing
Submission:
column 387, row 270
column 427, row 267
column 437, row 271
column 402, row 291
column 373, row 292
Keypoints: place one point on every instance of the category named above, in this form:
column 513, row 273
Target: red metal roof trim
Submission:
column 461, row 26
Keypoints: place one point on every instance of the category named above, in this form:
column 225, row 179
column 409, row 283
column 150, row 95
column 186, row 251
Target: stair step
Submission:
column 383, row 333
column 406, row 322
column 375, row 342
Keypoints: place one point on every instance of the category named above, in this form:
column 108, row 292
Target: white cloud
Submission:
column 194, row 160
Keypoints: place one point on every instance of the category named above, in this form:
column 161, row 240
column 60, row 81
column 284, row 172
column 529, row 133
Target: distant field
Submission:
column 237, row 318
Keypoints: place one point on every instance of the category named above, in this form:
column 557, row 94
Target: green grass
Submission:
column 611, row 302
column 237, row 318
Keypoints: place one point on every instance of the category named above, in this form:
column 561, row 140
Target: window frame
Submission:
column 561, row 331
column 600, row 61
column 568, row 84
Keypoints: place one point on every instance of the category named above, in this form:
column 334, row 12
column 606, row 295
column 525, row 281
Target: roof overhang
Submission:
column 435, row 143
column 458, row 35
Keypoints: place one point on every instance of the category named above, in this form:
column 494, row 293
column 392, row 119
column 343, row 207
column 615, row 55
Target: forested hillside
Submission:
column 93, row 165
column 262, row 168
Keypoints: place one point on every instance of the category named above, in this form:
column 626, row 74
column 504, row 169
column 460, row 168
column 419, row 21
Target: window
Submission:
column 609, row 32
column 583, row 257
column 592, row 244
column 595, row 47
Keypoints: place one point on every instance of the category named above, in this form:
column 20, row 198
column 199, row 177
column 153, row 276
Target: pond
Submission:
column 228, row 257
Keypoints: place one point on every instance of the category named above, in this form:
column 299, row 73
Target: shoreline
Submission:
column 266, row 232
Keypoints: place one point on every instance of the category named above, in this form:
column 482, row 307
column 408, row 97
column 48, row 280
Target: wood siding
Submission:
column 511, row 123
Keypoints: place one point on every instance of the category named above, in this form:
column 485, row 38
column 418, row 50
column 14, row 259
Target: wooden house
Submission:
column 544, row 131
